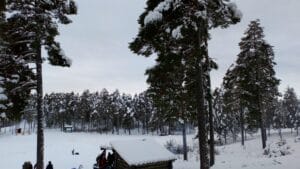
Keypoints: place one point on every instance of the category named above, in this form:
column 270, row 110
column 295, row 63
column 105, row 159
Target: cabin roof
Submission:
column 142, row 151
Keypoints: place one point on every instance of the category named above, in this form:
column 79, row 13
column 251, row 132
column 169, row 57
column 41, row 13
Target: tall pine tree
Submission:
column 181, row 27
column 34, row 24
column 254, row 76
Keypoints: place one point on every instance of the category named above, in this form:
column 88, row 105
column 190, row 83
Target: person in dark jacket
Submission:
column 27, row 165
column 110, row 160
column 49, row 166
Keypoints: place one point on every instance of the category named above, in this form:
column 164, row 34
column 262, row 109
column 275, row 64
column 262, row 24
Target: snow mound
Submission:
column 277, row 149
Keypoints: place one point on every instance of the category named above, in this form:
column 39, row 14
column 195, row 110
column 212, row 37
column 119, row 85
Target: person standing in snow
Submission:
column 49, row 166
column 110, row 160
column 27, row 165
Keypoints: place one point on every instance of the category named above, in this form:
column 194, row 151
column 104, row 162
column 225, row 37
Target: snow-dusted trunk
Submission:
column 40, row 131
column 2, row 8
column 185, row 156
column 118, row 124
column 24, row 127
column 280, row 134
column 263, row 133
column 200, row 108
column 225, row 137
column 169, row 128
column 242, row 126
column 211, row 122
column 201, row 117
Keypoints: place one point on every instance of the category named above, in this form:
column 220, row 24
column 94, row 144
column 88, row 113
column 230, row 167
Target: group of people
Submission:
column 28, row 165
column 104, row 162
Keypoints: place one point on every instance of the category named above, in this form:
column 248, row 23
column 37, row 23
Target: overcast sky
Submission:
column 97, row 42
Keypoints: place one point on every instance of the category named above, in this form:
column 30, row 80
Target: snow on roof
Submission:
column 68, row 126
column 139, row 152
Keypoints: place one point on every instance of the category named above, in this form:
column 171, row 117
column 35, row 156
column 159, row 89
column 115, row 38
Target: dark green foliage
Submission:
column 251, row 84
column 35, row 24
column 290, row 105
column 180, row 28
column 17, row 78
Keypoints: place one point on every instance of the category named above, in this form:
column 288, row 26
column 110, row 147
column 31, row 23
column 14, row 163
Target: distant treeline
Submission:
column 103, row 112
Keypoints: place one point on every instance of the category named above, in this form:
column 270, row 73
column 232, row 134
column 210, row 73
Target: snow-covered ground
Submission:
column 15, row 149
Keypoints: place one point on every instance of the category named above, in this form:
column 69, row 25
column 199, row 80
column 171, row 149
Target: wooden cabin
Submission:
column 68, row 128
column 141, row 154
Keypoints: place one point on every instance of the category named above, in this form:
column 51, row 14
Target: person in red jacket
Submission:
column 101, row 160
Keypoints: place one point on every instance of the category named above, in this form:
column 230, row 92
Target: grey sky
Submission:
column 97, row 42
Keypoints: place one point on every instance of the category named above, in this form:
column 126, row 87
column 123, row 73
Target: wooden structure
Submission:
column 68, row 128
column 141, row 154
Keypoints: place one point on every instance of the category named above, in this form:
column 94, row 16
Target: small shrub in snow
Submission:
column 217, row 152
column 175, row 148
column 277, row 149
column 297, row 139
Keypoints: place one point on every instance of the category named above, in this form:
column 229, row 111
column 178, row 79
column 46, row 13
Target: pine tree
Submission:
column 127, row 112
column 254, row 76
column 222, row 121
column 168, row 92
column 233, row 103
column 279, row 118
column 181, row 27
column 291, row 108
column 142, row 106
column 104, row 109
column 34, row 24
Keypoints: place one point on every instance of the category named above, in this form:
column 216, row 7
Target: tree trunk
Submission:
column 147, row 127
column 185, row 155
column 40, row 130
column 242, row 126
column 262, row 130
column 225, row 137
column 202, row 46
column 23, row 128
column 169, row 128
column 280, row 134
column 117, row 125
column 234, row 135
column 211, row 123
column 201, row 117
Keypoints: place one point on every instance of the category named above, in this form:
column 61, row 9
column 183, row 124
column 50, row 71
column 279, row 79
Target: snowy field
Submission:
column 14, row 150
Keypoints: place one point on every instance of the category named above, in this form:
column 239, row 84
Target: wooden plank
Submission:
column 2, row 5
